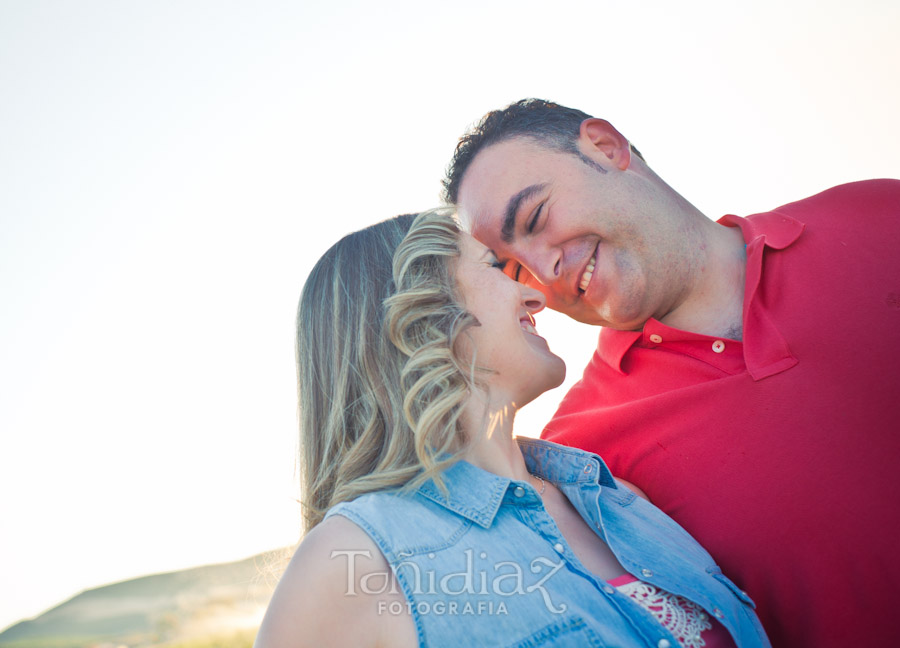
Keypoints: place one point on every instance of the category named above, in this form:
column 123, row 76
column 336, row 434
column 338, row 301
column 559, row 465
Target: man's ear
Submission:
column 600, row 135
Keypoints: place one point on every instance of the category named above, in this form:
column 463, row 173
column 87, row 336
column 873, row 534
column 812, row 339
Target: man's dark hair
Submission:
column 550, row 124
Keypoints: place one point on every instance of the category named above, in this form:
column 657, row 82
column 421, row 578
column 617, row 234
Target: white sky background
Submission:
column 170, row 170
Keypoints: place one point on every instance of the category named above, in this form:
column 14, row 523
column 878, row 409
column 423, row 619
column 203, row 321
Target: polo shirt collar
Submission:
column 612, row 346
column 772, row 229
column 767, row 230
column 766, row 352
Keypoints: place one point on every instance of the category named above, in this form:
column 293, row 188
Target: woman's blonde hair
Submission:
column 381, row 384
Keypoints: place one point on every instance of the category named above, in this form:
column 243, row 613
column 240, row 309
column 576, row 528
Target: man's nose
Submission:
column 544, row 265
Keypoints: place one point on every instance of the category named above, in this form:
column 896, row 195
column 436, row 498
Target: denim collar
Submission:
column 476, row 494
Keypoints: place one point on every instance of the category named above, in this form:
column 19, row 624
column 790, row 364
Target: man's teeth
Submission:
column 588, row 273
column 528, row 324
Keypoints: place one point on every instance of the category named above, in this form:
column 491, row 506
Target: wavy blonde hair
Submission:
column 381, row 384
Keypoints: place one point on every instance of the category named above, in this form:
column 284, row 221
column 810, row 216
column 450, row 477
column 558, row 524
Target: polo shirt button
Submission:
column 664, row 643
column 718, row 346
column 719, row 614
column 518, row 491
column 656, row 339
column 646, row 573
column 559, row 548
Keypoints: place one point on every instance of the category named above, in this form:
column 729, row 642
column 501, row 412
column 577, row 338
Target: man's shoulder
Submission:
column 881, row 195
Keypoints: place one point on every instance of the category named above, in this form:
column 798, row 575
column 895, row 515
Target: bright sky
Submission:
column 170, row 170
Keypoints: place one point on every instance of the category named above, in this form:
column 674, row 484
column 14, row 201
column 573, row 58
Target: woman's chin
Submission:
column 552, row 376
column 557, row 374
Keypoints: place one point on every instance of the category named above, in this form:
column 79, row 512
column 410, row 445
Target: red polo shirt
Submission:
column 780, row 453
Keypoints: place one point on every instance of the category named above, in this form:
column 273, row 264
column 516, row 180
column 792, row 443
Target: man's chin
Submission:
column 583, row 315
column 618, row 321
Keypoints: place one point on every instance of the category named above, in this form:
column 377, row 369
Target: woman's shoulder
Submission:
column 336, row 590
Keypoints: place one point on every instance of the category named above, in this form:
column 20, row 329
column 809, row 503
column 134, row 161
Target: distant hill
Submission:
column 205, row 607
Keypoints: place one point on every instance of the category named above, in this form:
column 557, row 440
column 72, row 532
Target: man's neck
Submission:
column 715, row 305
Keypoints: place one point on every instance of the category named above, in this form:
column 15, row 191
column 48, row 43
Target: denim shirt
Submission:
column 486, row 565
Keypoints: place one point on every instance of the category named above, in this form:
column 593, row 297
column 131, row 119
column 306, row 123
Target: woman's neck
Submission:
column 493, row 446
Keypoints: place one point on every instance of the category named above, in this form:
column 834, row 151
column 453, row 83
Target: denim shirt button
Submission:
column 608, row 589
column 719, row 614
column 646, row 573
column 588, row 468
column 664, row 643
column 518, row 491
column 559, row 548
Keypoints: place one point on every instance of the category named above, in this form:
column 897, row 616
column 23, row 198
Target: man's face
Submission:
column 581, row 236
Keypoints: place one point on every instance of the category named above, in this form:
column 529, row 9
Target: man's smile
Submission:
column 588, row 273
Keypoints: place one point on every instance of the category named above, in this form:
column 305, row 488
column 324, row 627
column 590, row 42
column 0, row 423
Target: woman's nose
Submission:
column 533, row 299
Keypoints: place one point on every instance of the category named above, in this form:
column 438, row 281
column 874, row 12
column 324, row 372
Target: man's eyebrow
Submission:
column 512, row 208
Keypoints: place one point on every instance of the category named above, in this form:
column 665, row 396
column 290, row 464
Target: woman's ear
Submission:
column 601, row 137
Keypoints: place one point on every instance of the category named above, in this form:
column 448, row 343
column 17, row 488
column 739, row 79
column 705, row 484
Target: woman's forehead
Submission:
column 470, row 247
